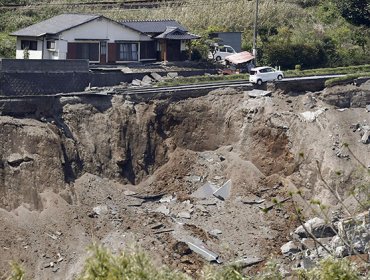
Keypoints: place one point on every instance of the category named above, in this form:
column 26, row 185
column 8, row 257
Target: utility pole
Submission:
column 254, row 52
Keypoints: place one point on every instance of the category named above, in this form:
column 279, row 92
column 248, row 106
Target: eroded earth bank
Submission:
column 122, row 172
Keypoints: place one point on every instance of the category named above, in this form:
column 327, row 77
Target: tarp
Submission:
column 241, row 57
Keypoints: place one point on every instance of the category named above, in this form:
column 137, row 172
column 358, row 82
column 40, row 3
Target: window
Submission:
column 50, row 45
column 88, row 51
column 128, row 52
column 29, row 45
column 103, row 48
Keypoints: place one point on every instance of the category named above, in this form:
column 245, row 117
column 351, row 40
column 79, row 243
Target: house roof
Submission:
column 55, row 25
column 153, row 26
column 241, row 57
column 174, row 33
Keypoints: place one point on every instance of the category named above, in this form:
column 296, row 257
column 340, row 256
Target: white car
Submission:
column 221, row 52
column 263, row 74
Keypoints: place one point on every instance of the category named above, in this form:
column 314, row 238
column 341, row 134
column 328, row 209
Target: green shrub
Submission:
column 103, row 265
column 332, row 269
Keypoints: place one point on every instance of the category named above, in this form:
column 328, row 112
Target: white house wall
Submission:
column 32, row 54
column 102, row 29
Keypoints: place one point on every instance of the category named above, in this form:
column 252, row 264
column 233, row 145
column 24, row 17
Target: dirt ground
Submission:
column 126, row 176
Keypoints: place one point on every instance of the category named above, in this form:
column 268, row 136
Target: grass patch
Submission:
column 329, row 71
column 202, row 79
column 345, row 79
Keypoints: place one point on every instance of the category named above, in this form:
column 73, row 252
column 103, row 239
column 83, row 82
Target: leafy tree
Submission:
column 356, row 12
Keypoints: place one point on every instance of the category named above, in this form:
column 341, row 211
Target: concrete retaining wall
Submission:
column 43, row 66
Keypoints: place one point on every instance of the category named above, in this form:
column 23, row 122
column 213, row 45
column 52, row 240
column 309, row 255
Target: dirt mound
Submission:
column 126, row 174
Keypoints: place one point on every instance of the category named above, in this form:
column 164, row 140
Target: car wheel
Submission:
column 218, row 58
column 280, row 77
column 259, row 82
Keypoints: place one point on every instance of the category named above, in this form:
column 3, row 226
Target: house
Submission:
column 233, row 39
column 100, row 40
column 169, row 37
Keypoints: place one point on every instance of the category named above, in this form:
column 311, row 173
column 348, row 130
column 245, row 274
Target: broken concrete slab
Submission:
column 247, row 261
column 257, row 93
column 147, row 80
column 310, row 116
column 136, row 83
column 365, row 137
column 204, row 252
column 156, row 77
column 205, row 191
column 163, row 209
column 252, row 199
column 172, row 75
column 224, row 192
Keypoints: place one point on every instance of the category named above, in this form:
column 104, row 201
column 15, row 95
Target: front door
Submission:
column 173, row 50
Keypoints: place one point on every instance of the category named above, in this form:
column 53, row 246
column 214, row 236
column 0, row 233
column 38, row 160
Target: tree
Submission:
column 356, row 12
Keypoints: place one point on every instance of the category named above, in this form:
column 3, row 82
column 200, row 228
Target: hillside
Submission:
column 311, row 33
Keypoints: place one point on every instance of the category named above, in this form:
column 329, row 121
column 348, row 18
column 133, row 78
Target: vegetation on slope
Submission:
column 311, row 33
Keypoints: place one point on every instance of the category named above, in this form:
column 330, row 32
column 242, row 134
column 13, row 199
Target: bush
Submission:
column 332, row 269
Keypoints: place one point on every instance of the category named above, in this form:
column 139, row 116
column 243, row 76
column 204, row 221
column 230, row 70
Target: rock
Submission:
column 184, row 214
column 163, row 209
column 317, row 227
column 129, row 193
column 101, row 210
column 215, row 232
column 365, row 137
column 147, row 80
column 136, row 83
column 311, row 116
column 247, row 261
column 341, row 252
column 172, row 75
column 290, row 248
column 306, row 263
column 156, row 77
column 368, row 108
column 257, row 93
column 181, row 248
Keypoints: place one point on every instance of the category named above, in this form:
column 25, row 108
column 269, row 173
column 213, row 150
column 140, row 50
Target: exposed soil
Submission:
column 110, row 172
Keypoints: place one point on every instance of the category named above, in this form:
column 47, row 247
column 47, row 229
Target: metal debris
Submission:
column 204, row 252
column 223, row 192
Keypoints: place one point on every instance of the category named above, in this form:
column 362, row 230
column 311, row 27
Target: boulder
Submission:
column 290, row 248
column 317, row 227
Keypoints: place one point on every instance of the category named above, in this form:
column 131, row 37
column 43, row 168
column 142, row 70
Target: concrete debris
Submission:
column 136, row 83
column 135, row 202
column 172, row 75
column 101, row 210
column 193, row 178
column 208, row 202
column 167, row 199
column 317, row 227
column 368, row 108
column 365, row 137
column 204, row 252
column 215, row 232
column 126, row 70
column 163, row 209
column 248, row 261
column 205, row 191
column 290, row 248
column 157, row 77
column 184, row 215
column 310, row 116
column 147, row 80
column 257, row 93
column 224, row 192
column 164, row 231
column 129, row 193
column 252, row 199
